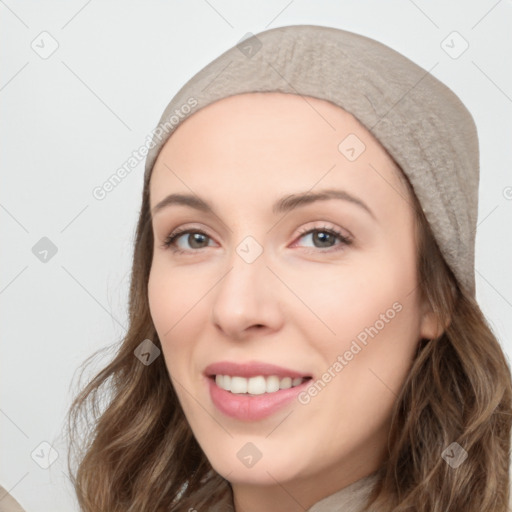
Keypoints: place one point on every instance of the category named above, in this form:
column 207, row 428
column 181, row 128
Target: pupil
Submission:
column 196, row 237
column 323, row 235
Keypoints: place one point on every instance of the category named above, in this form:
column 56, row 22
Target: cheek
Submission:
column 350, row 298
column 376, row 325
column 373, row 317
column 178, row 306
column 172, row 294
column 380, row 332
column 162, row 301
column 169, row 301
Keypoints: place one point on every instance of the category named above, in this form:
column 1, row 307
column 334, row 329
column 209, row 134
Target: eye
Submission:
column 325, row 236
column 195, row 236
column 198, row 239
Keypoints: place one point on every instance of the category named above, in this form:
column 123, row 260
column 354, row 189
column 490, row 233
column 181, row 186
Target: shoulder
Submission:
column 8, row 503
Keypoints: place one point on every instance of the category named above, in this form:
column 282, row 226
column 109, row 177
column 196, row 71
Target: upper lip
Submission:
column 251, row 369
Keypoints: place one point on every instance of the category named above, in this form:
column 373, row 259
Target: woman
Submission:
column 355, row 372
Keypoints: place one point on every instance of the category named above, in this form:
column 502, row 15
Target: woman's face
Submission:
column 255, row 284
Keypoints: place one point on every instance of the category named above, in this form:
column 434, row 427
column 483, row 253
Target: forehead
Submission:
column 272, row 138
column 250, row 113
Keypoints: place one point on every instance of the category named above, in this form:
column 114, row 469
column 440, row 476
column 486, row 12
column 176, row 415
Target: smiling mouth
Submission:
column 257, row 385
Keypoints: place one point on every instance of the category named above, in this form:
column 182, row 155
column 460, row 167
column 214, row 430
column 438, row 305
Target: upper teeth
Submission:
column 256, row 385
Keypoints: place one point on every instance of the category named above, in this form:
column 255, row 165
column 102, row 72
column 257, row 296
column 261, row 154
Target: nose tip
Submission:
column 244, row 302
column 238, row 329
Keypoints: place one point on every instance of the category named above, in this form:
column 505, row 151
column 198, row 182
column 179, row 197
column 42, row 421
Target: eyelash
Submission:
column 169, row 242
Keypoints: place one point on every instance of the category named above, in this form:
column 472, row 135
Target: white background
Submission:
column 70, row 121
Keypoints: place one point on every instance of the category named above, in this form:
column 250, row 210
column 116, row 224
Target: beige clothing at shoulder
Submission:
column 8, row 503
column 350, row 499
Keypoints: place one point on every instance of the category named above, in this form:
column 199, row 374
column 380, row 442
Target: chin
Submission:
column 264, row 471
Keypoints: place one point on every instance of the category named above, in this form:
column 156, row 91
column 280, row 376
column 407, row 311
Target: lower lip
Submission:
column 247, row 407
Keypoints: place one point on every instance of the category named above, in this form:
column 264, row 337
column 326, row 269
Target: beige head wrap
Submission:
column 420, row 121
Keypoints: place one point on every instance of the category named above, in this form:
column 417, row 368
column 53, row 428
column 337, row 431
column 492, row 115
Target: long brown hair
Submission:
column 132, row 449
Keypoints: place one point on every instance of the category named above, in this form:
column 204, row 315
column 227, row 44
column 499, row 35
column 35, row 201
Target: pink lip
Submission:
column 247, row 407
column 252, row 369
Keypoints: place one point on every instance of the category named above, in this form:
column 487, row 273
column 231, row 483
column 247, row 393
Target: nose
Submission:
column 246, row 299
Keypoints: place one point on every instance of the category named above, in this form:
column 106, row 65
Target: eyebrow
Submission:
column 285, row 204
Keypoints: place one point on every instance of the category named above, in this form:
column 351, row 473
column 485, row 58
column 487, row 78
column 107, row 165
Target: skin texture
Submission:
column 300, row 304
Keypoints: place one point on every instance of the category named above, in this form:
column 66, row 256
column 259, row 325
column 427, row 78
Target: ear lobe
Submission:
column 431, row 326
